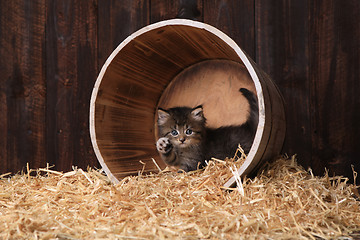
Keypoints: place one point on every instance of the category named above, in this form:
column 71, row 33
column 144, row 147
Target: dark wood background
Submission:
column 52, row 50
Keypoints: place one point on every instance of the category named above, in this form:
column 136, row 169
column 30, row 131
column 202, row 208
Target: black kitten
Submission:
column 186, row 142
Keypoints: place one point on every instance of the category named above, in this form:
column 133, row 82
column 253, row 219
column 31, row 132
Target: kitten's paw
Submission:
column 163, row 145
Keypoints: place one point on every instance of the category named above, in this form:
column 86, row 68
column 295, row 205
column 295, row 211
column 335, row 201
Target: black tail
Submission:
column 253, row 119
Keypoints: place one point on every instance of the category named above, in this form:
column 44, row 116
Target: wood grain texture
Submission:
column 117, row 20
column 236, row 19
column 169, row 9
column 71, row 49
column 146, row 68
column 311, row 50
column 335, row 85
column 132, row 85
column 51, row 53
column 282, row 52
column 23, row 88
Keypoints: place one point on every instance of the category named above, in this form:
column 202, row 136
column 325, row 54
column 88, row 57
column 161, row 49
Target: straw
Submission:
column 283, row 202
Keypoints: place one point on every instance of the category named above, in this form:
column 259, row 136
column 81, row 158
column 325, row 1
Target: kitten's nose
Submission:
column 182, row 139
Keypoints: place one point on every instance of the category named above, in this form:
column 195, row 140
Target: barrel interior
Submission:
column 215, row 85
column 156, row 67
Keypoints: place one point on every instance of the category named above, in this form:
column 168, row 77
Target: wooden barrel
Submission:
column 177, row 63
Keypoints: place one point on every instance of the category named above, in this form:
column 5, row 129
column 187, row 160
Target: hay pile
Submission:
column 283, row 202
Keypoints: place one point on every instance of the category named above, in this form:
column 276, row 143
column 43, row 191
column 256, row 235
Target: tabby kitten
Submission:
column 185, row 141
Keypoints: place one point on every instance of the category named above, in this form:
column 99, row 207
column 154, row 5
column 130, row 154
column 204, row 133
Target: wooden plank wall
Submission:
column 52, row 51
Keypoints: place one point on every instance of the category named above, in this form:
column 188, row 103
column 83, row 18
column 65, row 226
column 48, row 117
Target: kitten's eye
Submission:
column 174, row 133
column 188, row 132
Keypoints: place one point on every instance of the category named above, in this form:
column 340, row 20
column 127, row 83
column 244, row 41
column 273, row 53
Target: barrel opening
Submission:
column 174, row 62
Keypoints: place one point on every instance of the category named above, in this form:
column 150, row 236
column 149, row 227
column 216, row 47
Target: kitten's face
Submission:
column 183, row 126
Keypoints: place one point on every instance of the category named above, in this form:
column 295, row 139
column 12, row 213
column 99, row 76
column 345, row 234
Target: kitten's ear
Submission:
column 163, row 116
column 197, row 113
